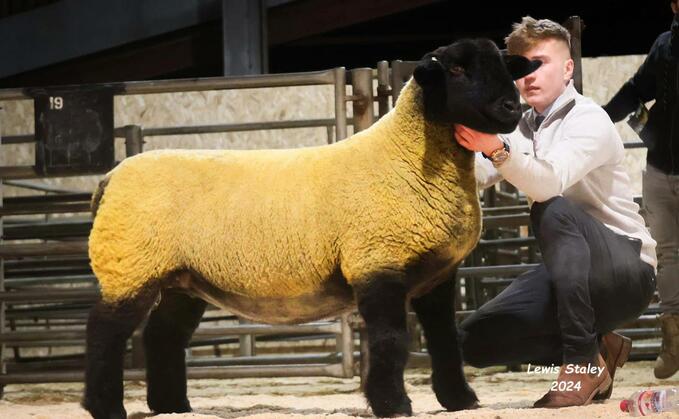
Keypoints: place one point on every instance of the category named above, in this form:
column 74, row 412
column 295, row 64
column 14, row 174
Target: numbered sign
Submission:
column 73, row 130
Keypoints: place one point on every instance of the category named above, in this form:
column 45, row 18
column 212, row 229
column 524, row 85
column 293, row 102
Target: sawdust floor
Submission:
column 502, row 395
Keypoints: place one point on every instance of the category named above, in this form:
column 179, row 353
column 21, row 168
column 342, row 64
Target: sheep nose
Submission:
column 511, row 105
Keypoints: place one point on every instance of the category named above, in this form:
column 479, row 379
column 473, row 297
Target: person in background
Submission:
column 658, row 78
column 599, row 260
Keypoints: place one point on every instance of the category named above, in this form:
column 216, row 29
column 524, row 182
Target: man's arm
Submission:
column 486, row 174
column 640, row 88
column 590, row 140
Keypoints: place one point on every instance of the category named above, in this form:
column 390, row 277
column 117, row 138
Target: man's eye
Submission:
column 457, row 70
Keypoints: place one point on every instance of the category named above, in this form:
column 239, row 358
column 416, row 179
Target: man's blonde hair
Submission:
column 526, row 34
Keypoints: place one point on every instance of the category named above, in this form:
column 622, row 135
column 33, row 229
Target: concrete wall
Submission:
column 602, row 77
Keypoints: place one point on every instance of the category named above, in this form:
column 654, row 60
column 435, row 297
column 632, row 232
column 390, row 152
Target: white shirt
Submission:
column 576, row 153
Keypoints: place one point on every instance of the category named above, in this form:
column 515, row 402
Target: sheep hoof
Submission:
column 387, row 409
column 98, row 412
column 461, row 398
column 169, row 406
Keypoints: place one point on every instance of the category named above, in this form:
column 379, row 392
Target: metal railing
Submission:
column 335, row 77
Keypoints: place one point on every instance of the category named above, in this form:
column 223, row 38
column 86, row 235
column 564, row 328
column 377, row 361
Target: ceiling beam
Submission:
column 184, row 50
column 304, row 18
column 72, row 28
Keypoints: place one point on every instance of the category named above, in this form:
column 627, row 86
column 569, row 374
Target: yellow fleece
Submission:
column 277, row 223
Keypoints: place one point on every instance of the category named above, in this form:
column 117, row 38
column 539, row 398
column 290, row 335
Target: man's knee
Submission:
column 551, row 215
column 554, row 206
column 474, row 349
column 476, row 343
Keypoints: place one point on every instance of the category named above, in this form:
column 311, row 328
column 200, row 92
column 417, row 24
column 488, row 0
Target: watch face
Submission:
column 499, row 156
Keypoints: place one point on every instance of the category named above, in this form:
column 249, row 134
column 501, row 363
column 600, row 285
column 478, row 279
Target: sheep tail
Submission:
column 98, row 195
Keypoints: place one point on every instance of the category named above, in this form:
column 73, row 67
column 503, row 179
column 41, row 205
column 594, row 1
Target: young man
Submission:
column 658, row 78
column 598, row 267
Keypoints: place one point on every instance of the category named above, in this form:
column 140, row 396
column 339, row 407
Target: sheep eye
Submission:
column 457, row 70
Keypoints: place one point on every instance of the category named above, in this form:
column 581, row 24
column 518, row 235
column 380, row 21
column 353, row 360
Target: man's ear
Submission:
column 519, row 66
column 568, row 69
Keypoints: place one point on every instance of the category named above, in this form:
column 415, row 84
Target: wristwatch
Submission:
column 499, row 156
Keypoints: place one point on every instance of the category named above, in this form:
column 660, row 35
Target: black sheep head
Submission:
column 471, row 82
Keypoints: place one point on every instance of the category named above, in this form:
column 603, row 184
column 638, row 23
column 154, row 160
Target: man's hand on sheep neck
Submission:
column 476, row 140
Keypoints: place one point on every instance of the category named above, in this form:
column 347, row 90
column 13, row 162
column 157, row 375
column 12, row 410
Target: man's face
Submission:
column 675, row 6
column 541, row 87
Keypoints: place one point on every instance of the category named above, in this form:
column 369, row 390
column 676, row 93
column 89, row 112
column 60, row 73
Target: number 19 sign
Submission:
column 73, row 129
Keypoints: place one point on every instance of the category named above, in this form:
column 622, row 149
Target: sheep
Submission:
column 290, row 236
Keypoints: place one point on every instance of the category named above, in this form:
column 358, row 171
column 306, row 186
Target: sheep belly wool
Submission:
column 278, row 223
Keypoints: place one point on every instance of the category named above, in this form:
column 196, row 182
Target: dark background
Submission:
column 301, row 35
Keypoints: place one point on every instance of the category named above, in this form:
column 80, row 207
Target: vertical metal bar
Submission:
column 365, row 356
column 340, row 104
column 489, row 201
column 242, row 34
column 330, row 132
column 247, row 342
column 383, row 87
column 575, row 26
column 362, row 92
column 134, row 140
column 264, row 36
column 414, row 332
column 396, row 80
column 347, row 347
column 138, row 358
column 3, row 306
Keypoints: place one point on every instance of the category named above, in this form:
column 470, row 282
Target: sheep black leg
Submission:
column 166, row 336
column 436, row 313
column 108, row 328
column 381, row 302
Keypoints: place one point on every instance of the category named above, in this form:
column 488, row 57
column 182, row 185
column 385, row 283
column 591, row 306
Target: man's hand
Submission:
column 477, row 141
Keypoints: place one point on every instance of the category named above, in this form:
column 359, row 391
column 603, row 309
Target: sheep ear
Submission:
column 429, row 70
column 519, row 66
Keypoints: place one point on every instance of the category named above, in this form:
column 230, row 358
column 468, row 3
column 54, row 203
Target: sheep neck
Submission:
column 429, row 148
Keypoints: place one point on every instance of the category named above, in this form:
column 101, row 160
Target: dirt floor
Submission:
column 502, row 394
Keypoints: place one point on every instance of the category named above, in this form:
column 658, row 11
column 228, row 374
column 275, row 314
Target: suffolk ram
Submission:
column 287, row 236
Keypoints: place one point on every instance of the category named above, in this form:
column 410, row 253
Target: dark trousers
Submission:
column 591, row 281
